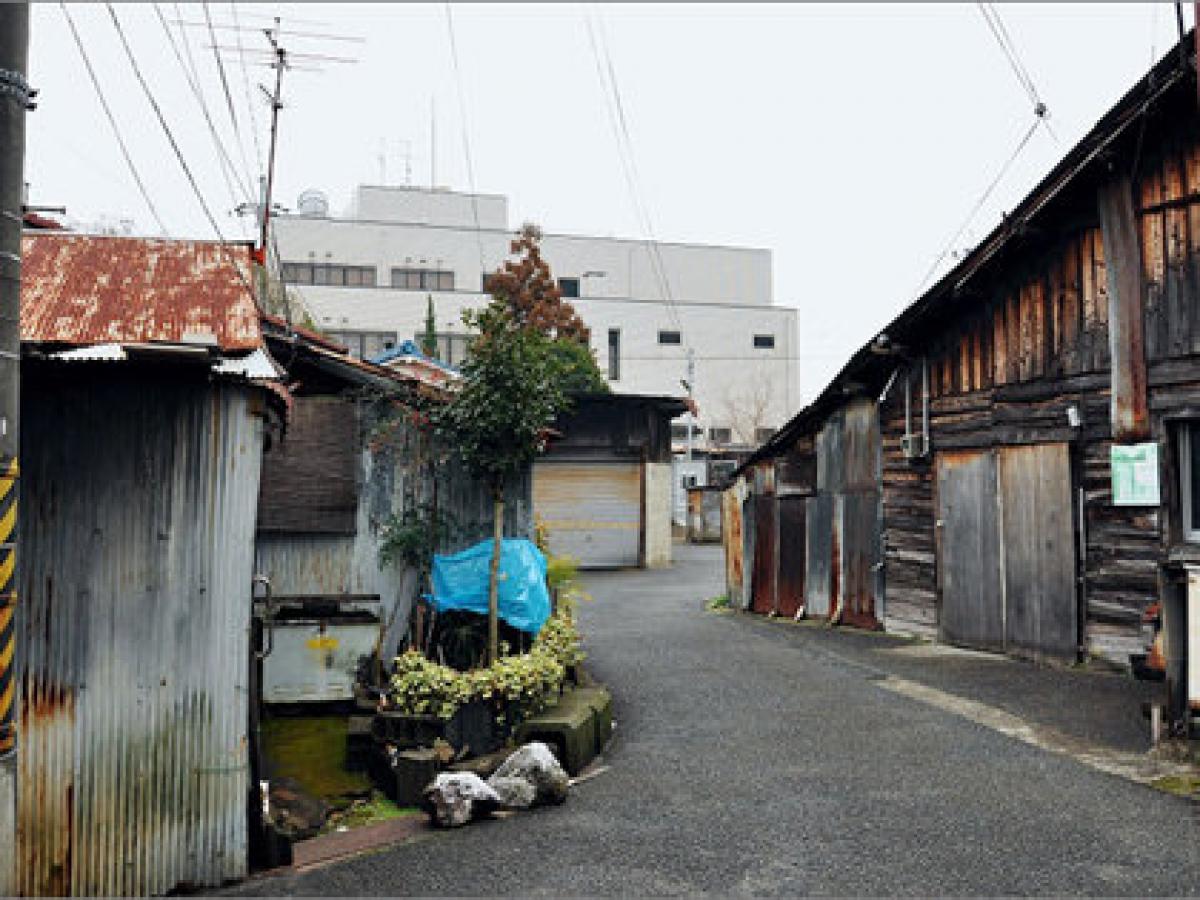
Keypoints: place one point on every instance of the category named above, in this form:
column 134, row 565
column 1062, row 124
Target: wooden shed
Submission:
column 1037, row 410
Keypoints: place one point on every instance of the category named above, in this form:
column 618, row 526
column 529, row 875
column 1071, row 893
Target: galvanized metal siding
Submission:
column 137, row 547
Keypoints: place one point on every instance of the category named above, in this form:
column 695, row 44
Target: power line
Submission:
column 237, row 131
column 112, row 120
column 621, row 136
column 979, row 203
column 258, row 156
column 466, row 137
column 137, row 71
column 1009, row 48
column 228, row 170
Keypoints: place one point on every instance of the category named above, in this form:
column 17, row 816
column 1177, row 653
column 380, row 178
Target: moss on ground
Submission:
column 368, row 812
column 312, row 751
column 1180, row 785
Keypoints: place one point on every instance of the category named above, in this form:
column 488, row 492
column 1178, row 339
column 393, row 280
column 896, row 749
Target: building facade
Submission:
column 365, row 278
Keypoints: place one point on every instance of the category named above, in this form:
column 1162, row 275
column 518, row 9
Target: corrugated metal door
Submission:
column 766, row 557
column 969, row 569
column 792, row 537
column 820, row 556
column 593, row 511
column 1039, row 550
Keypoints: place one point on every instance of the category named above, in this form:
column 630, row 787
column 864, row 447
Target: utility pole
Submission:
column 279, row 65
column 15, row 98
column 691, row 387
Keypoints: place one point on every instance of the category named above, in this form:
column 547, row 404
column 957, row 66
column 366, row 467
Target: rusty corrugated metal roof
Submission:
column 79, row 290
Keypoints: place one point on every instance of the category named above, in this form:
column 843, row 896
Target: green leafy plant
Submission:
column 721, row 602
column 412, row 536
column 515, row 686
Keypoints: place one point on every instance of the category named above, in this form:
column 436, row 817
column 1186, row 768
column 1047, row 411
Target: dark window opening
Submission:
column 720, row 435
column 569, row 287
column 669, row 337
column 614, row 354
column 1189, row 477
column 328, row 274
column 764, row 342
column 763, row 434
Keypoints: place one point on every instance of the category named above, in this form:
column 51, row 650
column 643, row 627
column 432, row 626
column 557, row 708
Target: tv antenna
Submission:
column 278, row 56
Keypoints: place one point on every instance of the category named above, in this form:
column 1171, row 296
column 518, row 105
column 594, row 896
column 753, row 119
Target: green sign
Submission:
column 1135, row 475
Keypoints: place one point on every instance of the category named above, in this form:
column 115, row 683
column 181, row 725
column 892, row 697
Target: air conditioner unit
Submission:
column 913, row 446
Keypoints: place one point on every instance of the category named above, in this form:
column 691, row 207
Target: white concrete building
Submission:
column 364, row 278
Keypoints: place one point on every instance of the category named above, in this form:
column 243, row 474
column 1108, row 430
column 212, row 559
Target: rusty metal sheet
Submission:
column 1130, row 412
column 766, row 554
column 137, row 538
column 732, row 540
column 80, row 289
column 792, row 539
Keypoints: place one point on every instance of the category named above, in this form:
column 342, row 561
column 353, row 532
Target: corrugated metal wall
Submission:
column 137, row 531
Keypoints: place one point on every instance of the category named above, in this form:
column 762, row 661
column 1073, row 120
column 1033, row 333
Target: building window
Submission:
column 569, row 287
column 365, row 344
column 720, row 435
column 680, row 432
column 614, row 354
column 1189, row 477
column 764, row 342
column 763, row 434
column 669, row 337
column 422, row 280
column 452, row 347
column 328, row 274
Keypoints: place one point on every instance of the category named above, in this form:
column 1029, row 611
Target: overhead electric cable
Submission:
column 979, row 203
column 1009, row 48
column 606, row 73
column 137, row 71
column 228, row 169
column 237, row 131
column 112, row 121
column 258, row 155
column 466, row 137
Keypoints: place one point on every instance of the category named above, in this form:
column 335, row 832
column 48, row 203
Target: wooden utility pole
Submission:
column 15, row 99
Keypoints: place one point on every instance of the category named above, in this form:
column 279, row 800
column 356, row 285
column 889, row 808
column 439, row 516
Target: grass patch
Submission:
column 312, row 750
column 1179, row 785
column 718, row 603
column 368, row 812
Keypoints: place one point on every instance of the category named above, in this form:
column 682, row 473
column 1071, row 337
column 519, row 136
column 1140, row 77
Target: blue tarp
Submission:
column 460, row 581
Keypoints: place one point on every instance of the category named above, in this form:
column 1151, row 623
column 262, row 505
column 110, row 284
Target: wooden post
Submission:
column 1126, row 326
column 494, row 579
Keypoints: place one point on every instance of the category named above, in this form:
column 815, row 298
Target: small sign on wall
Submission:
column 1135, row 474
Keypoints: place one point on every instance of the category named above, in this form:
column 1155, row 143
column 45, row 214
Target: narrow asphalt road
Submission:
column 743, row 764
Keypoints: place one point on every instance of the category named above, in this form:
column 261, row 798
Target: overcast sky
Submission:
column 852, row 141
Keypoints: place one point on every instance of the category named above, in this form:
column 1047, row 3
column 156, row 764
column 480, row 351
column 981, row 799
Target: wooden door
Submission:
column 1039, row 550
column 970, row 578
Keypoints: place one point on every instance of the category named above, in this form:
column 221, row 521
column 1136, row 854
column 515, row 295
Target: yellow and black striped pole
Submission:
column 8, row 603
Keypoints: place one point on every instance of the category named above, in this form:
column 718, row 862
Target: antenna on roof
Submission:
column 278, row 57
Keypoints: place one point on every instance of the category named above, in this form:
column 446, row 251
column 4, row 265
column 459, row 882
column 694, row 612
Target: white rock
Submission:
column 514, row 793
column 536, row 764
column 455, row 798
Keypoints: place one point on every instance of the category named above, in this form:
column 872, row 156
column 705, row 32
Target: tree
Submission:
column 498, row 421
column 528, row 292
column 749, row 410
column 429, row 344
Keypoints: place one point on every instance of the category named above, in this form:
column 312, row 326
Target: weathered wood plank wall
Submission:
column 1022, row 347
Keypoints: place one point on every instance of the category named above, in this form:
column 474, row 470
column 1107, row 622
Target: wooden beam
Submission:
column 1119, row 228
